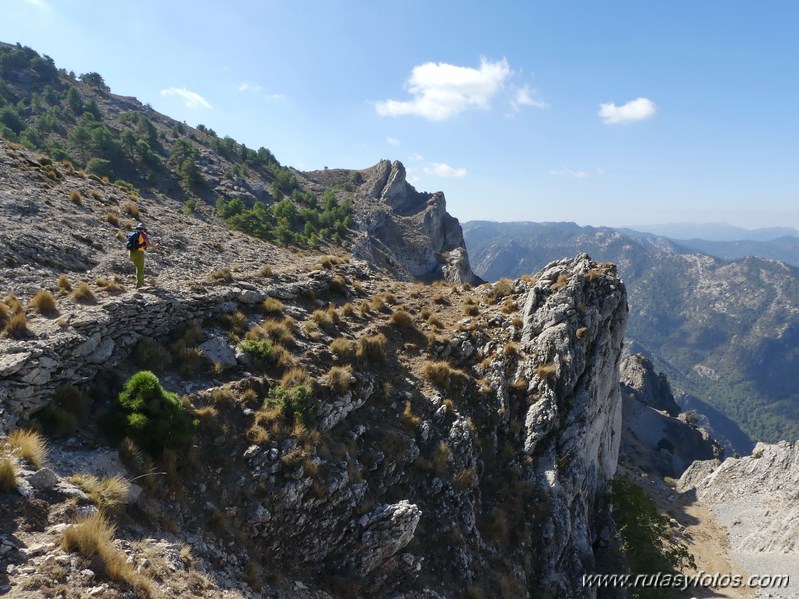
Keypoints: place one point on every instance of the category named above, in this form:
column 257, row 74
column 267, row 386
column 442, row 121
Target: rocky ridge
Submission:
column 492, row 406
column 407, row 232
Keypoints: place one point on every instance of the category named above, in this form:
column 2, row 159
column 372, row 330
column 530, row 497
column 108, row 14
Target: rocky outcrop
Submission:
column 656, row 435
column 408, row 232
column 755, row 499
column 574, row 321
column 639, row 381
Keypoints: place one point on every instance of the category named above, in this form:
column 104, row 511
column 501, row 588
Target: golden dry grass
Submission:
column 8, row 476
column 93, row 538
column 44, row 302
column 340, row 378
column 84, row 295
column 30, row 445
column 372, row 348
column 17, row 326
column 107, row 493
column 75, row 197
column 343, row 349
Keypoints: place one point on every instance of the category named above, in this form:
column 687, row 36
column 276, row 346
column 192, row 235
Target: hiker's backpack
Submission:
column 133, row 240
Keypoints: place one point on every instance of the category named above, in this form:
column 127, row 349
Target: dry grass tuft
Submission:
column 93, row 538
column 272, row 306
column 63, row 284
column 581, row 332
column 84, row 295
column 441, row 374
column 562, row 281
column 545, row 371
column 296, row 377
column 340, row 378
column 402, row 320
column 8, row 476
column 132, row 209
column 30, row 445
column 471, row 310
column 408, row 418
column 44, row 303
column 372, row 348
column 107, row 493
column 343, row 349
column 222, row 275
column 17, row 326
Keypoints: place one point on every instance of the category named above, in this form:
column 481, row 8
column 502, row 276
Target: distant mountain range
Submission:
column 729, row 243
column 714, row 232
column 723, row 331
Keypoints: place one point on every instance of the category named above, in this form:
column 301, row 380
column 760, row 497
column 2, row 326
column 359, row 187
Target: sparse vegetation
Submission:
column 339, row 378
column 75, row 197
column 29, row 445
column 93, row 537
column 84, row 295
column 646, row 536
column 372, row 348
column 44, row 302
column 297, row 403
column 441, row 374
column 107, row 493
column 8, row 476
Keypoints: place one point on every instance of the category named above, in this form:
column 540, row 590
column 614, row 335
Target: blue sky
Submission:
column 603, row 113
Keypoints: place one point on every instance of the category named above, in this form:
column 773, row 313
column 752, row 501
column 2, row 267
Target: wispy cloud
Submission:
column 249, row 87
column 634, row 110
column 572, row 174
column 439, row 169
column 442, row 90
column 393, row 141
column 526, row 97
column 192, row 99
column 416, row 157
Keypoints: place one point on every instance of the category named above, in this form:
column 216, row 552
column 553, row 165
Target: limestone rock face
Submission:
column 573, row 326
column 639, row 380
column 656, row 435
column 408, row 232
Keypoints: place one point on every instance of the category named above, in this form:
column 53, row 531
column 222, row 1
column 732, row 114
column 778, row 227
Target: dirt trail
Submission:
column 707, row 540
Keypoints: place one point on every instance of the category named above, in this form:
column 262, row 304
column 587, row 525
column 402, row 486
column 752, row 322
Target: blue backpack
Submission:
column 133, row 240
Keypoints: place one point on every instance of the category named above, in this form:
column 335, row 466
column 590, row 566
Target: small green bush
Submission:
column 646, row 536
column 150, row 415
column 298, row 402
column 260, row 349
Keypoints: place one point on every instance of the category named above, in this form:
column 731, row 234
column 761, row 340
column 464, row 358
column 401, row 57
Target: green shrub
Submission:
column 150, row 415
column 259, row 349
column 298, row 402
column 646, row 538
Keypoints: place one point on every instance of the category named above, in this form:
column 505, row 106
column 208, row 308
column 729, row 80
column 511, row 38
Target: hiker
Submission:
column 138, row 241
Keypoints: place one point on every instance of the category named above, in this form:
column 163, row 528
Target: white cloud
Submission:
column 439, row 169
column 249, row 87
column 393, row 141
column 634, row 110
column 526, row 96
column 192, row 99
column 417, row 157
column 572, row 174
column 442, row 90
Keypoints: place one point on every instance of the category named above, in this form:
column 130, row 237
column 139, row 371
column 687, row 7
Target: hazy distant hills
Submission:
column 729, row 243
column 715, row 232
column 724, row 331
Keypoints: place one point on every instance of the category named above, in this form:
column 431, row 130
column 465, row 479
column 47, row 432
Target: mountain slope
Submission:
column 727, row 332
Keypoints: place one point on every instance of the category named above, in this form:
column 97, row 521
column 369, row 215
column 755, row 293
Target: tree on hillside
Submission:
column 96, row 81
